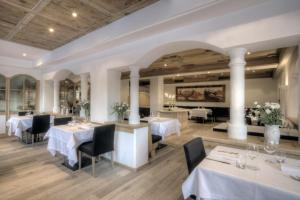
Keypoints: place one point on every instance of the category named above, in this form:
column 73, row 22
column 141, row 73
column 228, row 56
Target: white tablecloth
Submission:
column 200, row 112
column 163, row 126
column 215, row 180
column 66, row 139
column 17, row 124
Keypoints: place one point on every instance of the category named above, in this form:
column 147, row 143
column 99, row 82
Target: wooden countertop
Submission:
column 125, row 126
column 174, row 111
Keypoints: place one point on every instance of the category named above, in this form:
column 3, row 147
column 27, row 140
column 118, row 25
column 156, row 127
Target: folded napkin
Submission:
column 291, row 169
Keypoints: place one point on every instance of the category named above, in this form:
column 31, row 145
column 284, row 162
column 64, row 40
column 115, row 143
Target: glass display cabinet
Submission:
column 23, row 94
column 69, row 95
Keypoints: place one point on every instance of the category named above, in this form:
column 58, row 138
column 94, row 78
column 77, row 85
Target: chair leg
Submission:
column 79, row 159
column 26, row 137
column 93, row 165
column 112, row 158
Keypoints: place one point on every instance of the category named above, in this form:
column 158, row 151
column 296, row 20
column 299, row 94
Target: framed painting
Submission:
column 203, row 93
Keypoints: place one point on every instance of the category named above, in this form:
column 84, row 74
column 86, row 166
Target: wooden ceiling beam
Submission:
column 27, row 18
column 61, row 22
column 101, row 8
column 148, row 72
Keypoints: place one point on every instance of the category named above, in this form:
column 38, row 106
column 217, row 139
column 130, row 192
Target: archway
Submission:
column 149, row 57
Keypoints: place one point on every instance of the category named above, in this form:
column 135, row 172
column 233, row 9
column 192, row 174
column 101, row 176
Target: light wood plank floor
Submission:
column 32, row 173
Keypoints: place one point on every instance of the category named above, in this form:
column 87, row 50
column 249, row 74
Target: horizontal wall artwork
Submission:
column 203, row 93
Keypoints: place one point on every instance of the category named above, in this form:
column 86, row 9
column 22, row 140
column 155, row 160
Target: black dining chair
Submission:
column 103, row 142
column 62, row 120
column 194, row 153
column 40, row 124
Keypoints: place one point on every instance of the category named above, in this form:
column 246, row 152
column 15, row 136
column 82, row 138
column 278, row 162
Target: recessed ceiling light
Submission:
column 253, row 71
column 247, row 68
column 24, row 54
column 74, row 14
column 39, row 63
column 51, row 30
column 178, row 75
column 248, row 53
column 208, row 72
column 165, row 65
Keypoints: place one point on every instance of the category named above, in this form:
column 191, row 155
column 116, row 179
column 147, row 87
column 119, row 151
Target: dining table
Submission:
column 163, row 126
column 65, row 139
column 200, row 112
column 218, row 177
column 17, row 124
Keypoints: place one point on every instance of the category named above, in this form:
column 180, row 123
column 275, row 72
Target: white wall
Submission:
column 125, row 91
column 261, row 90
column 288, row 82
column 47, row 96
column 105, row 91
column 156, row 94
column 113, row 88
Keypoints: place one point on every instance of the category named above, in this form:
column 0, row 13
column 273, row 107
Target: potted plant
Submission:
column 270, row 115
column 120, row 109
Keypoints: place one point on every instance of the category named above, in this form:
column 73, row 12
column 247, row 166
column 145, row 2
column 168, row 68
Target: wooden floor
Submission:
column 32, row 173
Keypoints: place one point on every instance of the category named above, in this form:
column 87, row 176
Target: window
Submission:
column 23, row 93
column 2, row 93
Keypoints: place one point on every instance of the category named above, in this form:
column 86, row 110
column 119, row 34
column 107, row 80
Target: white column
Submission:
column 237, row 128
column 134, row 117
column 56, row 108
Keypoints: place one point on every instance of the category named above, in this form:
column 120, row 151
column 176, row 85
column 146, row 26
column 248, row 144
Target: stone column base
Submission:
column 237, row 131
column 134, row 119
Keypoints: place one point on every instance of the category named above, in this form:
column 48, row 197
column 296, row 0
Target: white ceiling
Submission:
column 14, row 50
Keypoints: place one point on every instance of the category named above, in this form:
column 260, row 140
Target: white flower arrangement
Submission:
column 86, row 106
column 269, row 113
column 120, row 108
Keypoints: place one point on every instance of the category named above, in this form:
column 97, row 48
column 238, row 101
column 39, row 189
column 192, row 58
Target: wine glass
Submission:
column 280, row 156
column 252, row 151
column 270, row 147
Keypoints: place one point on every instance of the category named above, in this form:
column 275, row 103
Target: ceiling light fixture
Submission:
column 208, row 72
column 74, row 14
column 51, row 30
column 248, row 53
column 253, row 71
column 178, row 75
column 165, row 65
column 247, row 68
column 24, row 54
column 39, row 63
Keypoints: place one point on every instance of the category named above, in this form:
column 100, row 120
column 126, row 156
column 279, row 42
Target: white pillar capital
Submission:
column 134, row 72
column 237, row 56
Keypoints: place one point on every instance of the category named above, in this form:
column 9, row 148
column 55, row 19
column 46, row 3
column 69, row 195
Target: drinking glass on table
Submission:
column 270, row 147
column 280, row 157
column 252, row 151
column 241, row 161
